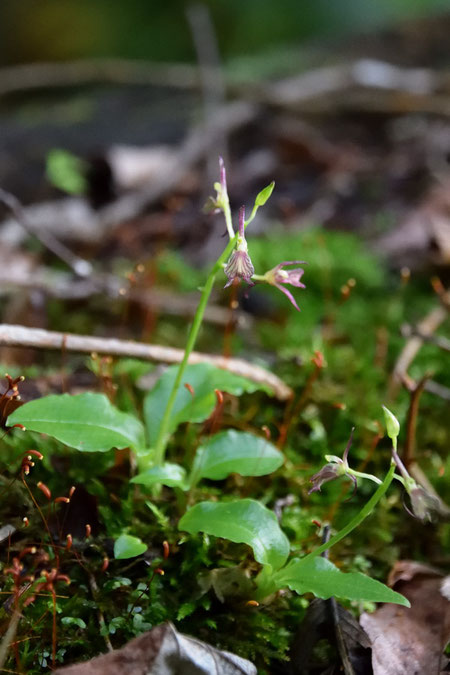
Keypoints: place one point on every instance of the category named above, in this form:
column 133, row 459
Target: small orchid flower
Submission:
column 239, row 265
column 278, row 276
column 335, row 468
column 424, row 505
column 220, row 201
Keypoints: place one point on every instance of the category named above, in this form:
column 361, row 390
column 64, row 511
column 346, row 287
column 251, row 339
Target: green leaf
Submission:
column 245, row 521
column 235, row 452
column 264, row 195
column 127, row 546
column 196, row 407
column 86, row 422
column 319, row 576
column 172, row 475
column 73, row 621
column 66, row 171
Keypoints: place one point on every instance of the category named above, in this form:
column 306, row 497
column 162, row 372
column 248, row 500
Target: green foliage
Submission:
column 200, row 570
column 319, row 576
column 87, row 422
column 127, row 546
column 235, row 452
column 190, row 407
column 66, row 171
column 172, row 475
column 245, row 521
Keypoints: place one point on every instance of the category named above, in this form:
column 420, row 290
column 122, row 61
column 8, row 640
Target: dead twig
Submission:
column 65, row 287
column 438, row 340
column 424, row 329
column 29, row 76
column 365, row 84
column 101, row 619
column 9, row 636
column 408, row 457
column 82, row 268
column 415, row 392
column 21, row 336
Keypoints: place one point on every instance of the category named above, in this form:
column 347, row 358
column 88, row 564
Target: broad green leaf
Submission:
column 86, row 422
column 319, row 576
column 127, row 546
column 245, row 521
column 195, row 407
column 264, row 195
column 66, row 171
column 172, row 475
column 235, row 452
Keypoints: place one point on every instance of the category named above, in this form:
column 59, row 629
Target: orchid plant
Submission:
column 424, row 505
column 236, row 263
column 89, row 423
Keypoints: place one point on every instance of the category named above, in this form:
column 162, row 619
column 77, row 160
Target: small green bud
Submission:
column 264, row 195
column 392, row 425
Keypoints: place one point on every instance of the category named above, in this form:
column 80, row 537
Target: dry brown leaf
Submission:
column 411, row 641
column 164, row 651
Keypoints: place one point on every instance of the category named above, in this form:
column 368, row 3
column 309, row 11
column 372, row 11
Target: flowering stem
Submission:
column 357, row 520
column 361, row 474
column 163, row 435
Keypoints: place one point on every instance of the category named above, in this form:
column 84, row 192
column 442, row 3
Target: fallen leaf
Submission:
column 164, row 651
column 320, row 623
column 411, row 641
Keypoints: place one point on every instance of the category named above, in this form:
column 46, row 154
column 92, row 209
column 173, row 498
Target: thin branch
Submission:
column 31, row 76
column 9, row 636
column 21, row 336
column 82, row 268
column 438, row 340
column 101, row 619
column 411, row 423
column 426, row 328
column 65, row 287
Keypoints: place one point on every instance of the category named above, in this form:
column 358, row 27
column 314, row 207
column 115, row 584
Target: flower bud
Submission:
column 392, row 425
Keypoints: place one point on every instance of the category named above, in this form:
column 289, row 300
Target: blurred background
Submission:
column 47, row 30
column 112, row 119
column 113, row 115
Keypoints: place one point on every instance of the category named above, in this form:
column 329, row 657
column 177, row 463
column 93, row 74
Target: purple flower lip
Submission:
column 278, row 276
column 335, row 468
column 424, row 505
column 240, row 267
column 326, row 473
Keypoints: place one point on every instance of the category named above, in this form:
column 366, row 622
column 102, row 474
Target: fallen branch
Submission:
column 32, row 76
column 21, row 336
column 65, row 286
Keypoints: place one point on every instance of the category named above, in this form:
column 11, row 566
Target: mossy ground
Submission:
column 359, row 337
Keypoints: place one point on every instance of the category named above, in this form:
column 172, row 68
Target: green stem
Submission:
column 268, row 584
column 163, row 435
column 361, row 474
column 357, row 520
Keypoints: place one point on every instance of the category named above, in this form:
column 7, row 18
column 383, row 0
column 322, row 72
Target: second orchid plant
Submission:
column 236, row 264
